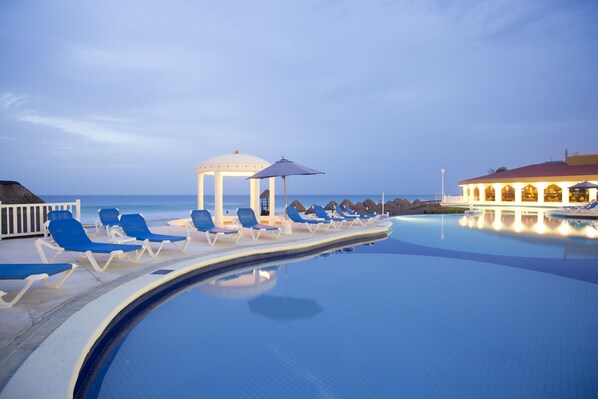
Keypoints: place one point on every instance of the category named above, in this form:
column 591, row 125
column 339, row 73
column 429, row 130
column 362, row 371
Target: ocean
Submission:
column 158, row 209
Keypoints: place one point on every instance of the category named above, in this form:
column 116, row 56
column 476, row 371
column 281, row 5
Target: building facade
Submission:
column 547, row 184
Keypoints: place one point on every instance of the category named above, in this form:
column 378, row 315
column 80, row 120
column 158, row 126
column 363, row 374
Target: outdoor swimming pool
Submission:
column 486, row 315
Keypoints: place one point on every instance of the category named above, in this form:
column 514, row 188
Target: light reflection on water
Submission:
column 500, row 231
column 528, row 221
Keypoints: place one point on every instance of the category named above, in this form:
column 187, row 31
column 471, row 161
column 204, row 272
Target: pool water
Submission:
column 388, row 320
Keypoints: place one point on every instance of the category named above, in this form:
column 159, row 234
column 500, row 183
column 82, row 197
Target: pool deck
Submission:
column 46, row 336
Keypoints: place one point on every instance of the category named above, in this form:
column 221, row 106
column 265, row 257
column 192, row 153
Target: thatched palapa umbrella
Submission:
column 298, row 205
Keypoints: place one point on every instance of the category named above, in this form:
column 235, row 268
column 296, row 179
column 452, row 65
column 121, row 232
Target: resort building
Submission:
column 548, row 184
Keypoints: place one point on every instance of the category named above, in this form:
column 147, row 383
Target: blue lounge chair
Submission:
column 372, row 216
column 58, row 214
column 32, row 272
column 247, row 219
column 108, row 218
column 202, row 221
column 311, row 224
column 69, row 236
column 360, row 220
column 134, row 225
column 336, row 222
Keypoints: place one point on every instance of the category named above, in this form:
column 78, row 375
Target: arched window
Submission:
column 508, row 193
column 529, row 193
column 553, row 193
column 490, row 193
column 578, row 195
column 476, row 194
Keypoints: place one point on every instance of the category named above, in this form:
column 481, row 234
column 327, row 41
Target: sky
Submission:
column 123, row 97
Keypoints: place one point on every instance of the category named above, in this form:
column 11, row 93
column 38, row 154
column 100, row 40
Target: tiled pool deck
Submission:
column 45, row 337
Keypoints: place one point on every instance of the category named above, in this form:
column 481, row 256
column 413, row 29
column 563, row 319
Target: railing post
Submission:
column 0, row 220
column 78, row 205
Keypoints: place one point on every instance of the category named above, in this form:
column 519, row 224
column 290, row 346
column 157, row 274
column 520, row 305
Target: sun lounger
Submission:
column 202, row 221
column 360, row 220
column 69, row 236
column 134, row 225
column 57, row 215
column 336, row 222
column 32, row 272
column 108, row 218
column 311, row 224
column 374, row 217
column 248, row 220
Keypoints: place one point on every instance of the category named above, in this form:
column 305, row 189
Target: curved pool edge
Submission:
column 52, row 369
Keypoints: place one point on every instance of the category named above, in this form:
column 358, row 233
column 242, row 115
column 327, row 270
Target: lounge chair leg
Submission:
column 184, row 246
column 40, row 243
column 65, row 275
column 210, row 241
column 29, row 280
column 95, row 264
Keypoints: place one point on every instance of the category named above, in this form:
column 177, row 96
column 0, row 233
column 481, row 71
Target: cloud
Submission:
column 10, row 101
column 93, row 131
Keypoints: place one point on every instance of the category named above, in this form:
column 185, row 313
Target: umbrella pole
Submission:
column 284, row 183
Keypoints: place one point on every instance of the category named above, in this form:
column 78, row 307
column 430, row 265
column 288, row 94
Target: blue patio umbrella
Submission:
column 284, row 168
column 284, row 309
column 585, row 184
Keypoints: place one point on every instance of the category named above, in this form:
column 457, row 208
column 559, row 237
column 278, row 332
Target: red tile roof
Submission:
column 547, row 170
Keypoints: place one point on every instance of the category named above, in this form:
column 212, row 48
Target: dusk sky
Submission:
column 122, row 97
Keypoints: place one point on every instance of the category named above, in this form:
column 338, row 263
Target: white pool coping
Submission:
column 52, row 369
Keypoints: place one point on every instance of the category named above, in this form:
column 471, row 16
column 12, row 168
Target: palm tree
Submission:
column 497, row 170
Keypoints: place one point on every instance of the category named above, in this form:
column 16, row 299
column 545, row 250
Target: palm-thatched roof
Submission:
column 330, row 206
column 12, row 192
column 346, row 203
column 298, row 205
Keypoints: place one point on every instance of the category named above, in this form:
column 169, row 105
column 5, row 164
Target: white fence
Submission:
column 454, row 199
column 17, row 220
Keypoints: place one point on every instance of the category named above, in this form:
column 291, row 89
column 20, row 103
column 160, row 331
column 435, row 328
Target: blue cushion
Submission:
column 19, row 271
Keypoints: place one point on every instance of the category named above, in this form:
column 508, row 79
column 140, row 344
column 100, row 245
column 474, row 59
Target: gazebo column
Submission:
column 482, row 190
column 254, row 196
column 271, row 180
column 200, row 191
column 218, row 199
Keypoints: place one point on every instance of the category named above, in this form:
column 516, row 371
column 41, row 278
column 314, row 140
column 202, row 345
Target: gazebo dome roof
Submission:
column 235, row 162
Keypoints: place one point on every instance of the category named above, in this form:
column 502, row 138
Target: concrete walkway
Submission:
column 42, row 312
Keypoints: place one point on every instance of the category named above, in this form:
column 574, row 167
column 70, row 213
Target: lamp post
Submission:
column 442, row 174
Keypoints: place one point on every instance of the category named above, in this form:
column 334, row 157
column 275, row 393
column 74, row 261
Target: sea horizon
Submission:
column 159, row 208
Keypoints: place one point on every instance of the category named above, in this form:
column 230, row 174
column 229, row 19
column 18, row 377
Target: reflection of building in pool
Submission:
column 241, row 285
column 528, row 221
column 546, row 184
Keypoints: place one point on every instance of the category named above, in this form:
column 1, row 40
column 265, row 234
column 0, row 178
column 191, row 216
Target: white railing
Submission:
column 17, row 220
column 454, row 199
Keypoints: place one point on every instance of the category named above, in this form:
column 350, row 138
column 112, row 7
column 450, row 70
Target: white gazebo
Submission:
column 233, row 165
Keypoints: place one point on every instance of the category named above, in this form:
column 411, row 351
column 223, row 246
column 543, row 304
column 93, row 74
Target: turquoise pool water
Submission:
column 405, row 317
